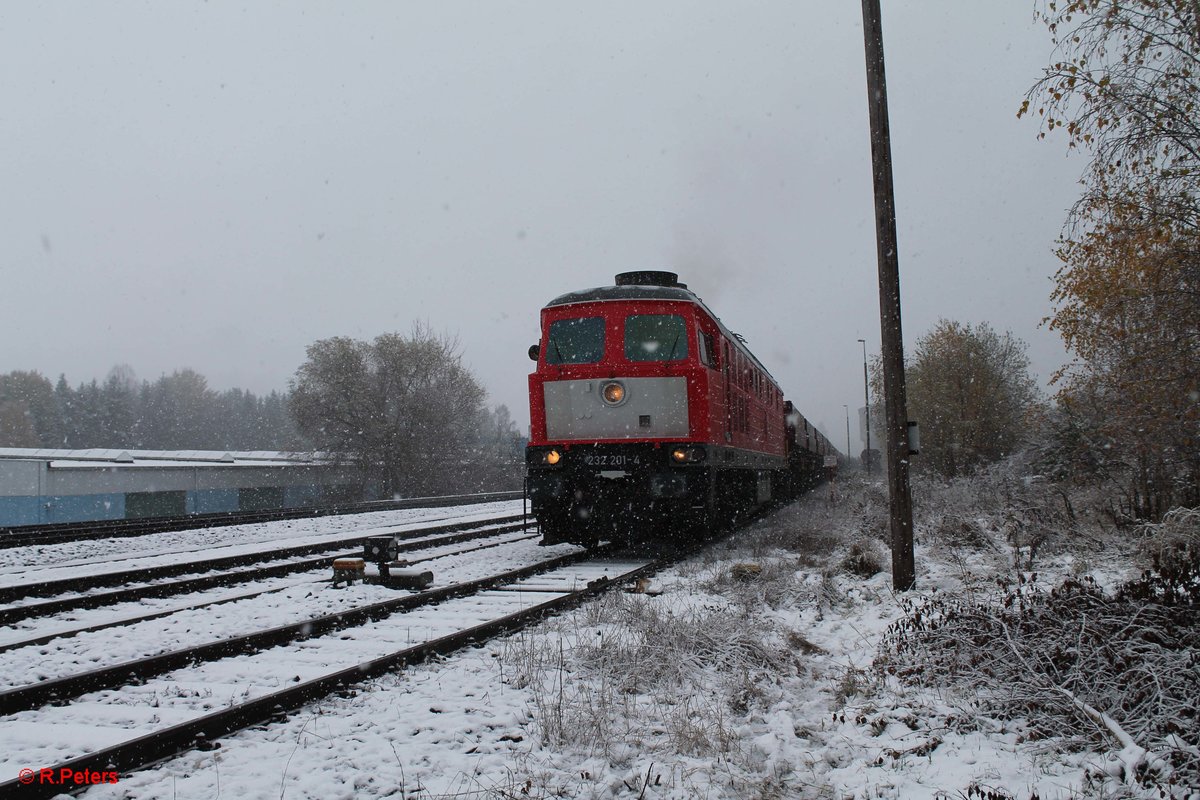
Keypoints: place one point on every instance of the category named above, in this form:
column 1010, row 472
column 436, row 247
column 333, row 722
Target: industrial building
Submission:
column 40, row 487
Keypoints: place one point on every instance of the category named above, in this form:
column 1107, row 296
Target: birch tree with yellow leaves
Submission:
column 1124, row 87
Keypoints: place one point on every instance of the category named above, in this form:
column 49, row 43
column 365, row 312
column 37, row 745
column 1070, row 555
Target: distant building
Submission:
column 40, row 487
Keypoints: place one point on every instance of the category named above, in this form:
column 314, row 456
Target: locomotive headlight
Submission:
column 613, row 393
column 686, row 455
column 550, row 457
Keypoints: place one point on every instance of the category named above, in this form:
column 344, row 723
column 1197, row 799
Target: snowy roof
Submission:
column 160, row 458
column 601, row 293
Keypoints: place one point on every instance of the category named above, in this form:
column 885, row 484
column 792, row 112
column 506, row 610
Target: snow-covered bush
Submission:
column 1073, row 665
column 865, row 558
column 1004, row 505
column 1171, row 550
column 870, row 509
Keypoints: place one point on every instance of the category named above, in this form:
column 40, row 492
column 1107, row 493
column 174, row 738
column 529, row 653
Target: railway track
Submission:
column 482, row 540
column 66, row 687
column 156, row 696
column 26, row 535
column 221, row 570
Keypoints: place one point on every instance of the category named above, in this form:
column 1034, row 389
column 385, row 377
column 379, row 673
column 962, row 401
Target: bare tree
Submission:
column 403, row 408
column 1124, row 86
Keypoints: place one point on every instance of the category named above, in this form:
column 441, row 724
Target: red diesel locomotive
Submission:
column 646, row 412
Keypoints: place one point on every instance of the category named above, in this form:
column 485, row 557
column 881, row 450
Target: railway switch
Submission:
column 380, row 549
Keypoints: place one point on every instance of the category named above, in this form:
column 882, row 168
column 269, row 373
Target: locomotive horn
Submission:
column 649, row 278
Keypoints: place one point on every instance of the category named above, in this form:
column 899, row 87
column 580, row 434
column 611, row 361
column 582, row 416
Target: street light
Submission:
column 846, row 408
column 867, row 414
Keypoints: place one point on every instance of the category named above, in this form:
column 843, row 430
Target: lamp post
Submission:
column 867, row 410
column 846, row 408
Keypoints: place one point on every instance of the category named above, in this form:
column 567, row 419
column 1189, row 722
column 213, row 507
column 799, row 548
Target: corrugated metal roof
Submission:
column 150, row 458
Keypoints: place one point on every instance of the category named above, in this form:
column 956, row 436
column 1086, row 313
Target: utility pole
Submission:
column 867, row 405
column 892, row 351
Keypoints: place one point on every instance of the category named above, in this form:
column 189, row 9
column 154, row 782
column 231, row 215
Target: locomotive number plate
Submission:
column 611, row 460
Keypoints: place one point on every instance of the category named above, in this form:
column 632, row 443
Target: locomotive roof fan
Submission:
column 650, row 277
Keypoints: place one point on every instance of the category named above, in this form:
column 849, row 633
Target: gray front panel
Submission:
column 653, row 408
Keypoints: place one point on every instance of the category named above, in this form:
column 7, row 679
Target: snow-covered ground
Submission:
column 294, row 602
column 51, row 563
column 97, row 720
column 743, row 672
column 68, row 559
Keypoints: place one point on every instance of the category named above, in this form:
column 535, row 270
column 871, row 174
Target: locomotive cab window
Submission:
column 655, row 337
column 575, row 341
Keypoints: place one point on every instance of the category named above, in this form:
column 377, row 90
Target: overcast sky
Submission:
column 217, row 185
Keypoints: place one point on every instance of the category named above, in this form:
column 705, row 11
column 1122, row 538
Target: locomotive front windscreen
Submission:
column 575, row 341
column 655, row 337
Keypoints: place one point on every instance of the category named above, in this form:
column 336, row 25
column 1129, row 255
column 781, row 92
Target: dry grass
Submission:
column 631, row 677
column 865, row 558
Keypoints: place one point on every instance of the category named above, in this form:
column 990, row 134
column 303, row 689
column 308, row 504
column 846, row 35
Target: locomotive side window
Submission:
column 575, row 341
column 708, row 350
column 655, row 337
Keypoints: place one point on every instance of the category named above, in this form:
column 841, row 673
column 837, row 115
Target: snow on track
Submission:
column 18, row 562
column 294, row 602
column 100, row 719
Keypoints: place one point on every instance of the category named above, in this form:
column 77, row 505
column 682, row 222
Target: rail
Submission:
column 202, row 731
column 25, row 535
